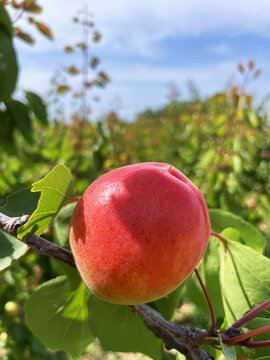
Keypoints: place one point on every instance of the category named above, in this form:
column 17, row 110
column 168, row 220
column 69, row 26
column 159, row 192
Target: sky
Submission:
column 148, row 45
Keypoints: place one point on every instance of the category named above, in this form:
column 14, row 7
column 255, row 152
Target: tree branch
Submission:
column 40, row 245
column 184, row 339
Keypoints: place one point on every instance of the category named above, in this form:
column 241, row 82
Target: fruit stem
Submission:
column 251, row 314
column 213, row 321
column 248, row 335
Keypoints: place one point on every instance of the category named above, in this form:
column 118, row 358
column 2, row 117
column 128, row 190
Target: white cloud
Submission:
column 137, row 28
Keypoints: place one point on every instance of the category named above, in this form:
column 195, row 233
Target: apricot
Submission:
column 138, row 232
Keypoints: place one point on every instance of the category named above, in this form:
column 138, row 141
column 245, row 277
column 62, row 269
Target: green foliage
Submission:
column 57, row 314
column 61, row 224
column 8, row 61
column 119, row 329
column 37, row 106
column 56, row 189
column 166, row 306
column 249, row 235
column 228, row 351
column 18, row 113
column 11, row 249
column 242, row 269
column 209, row 270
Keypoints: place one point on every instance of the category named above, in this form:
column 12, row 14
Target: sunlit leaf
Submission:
column 68, row 49
column 62, row 89
column 31, row 6
column 240, row 68
column 56, row 190
column 94, row 62
column 73, row 70
column 24, row 36
column 244, row 277
column 44, row 29
column 250, row 64
column 250, row 235
column 82, row 45
column 104, row 77
column 257, row 73
column 31, row 20
column 97, row 36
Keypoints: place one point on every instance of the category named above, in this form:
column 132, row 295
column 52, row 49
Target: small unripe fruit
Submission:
column 138, row 232
column 12, row 309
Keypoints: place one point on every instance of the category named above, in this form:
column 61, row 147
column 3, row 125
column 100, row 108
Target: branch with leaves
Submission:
column 184, row 339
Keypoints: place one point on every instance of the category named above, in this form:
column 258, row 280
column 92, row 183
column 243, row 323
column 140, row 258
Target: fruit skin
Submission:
column 138, row 231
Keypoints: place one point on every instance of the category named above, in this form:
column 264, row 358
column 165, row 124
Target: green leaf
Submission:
column 61, row 224
column 11, row 249
column 56, row 190
column 257, row 322
column 167, row 305
column 253, row 286
column 250, row 235
column 5, row 23
column 8, row 66
column 20, row 203
column 19, row 114
column 209, row 271
column 37, row 106
column 245, row 279
column 57, row 314
column 119, row 329
column 7, row 132
column 228, row 351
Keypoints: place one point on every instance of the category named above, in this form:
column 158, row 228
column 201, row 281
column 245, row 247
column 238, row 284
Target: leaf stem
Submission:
column 217, row 235
column 248, row 335
column 251, row 314
column 221, row 238
column 213, row 321
column 257, row 344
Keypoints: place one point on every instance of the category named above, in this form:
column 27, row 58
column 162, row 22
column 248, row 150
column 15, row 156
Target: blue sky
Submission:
column 148, row 44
